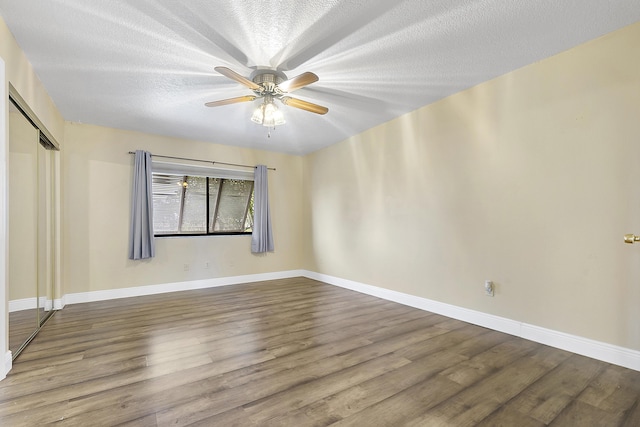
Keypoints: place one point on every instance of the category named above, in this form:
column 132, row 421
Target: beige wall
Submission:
column 97, row 177
column 529, row 180
column 20, row 74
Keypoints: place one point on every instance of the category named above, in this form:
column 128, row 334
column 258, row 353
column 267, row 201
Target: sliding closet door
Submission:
column 23, row 229
column 32, row 200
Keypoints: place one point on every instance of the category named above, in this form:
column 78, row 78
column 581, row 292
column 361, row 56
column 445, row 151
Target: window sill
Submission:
column 231, row 233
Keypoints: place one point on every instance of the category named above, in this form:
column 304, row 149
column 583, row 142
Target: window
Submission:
column 200, row 205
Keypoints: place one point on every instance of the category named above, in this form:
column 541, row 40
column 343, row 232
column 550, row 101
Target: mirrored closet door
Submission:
column 31, row 228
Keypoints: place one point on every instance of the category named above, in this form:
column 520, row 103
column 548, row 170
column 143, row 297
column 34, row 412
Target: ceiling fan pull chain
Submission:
column 269, row 129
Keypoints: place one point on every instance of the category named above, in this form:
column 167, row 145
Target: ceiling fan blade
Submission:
column 227, row 72
column 304, row 105
column 298, row 82
column 245, row 98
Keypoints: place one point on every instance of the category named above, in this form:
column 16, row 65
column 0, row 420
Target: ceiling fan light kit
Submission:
column 268, row 114
column 270, row 85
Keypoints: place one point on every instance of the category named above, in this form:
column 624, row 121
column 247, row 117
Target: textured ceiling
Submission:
column 147, row 65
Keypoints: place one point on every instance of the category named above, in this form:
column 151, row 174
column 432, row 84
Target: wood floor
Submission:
column 296, row 352
column 21, row 325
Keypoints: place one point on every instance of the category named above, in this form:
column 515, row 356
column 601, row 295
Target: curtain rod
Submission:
column 204, row 161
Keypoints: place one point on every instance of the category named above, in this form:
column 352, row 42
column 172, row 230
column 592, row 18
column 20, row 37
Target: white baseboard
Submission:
column 7, row 365
column 109, row 294
column 609, row 353
column 30, row 304
column 58, row 303
column 23, row 304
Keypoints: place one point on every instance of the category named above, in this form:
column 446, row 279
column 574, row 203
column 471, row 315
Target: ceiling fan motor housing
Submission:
column 268, row 79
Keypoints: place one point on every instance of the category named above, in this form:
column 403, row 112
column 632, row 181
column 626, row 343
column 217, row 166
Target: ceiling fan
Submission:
column 270, row 84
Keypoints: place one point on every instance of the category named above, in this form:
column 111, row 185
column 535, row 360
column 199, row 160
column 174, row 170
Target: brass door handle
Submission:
column 630, row 238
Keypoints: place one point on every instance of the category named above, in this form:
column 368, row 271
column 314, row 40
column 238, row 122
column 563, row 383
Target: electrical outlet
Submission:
column 186, row 267
column 488, row 288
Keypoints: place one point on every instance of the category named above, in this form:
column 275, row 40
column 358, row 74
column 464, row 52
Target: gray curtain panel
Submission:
column 141, row 244
column 262, row 236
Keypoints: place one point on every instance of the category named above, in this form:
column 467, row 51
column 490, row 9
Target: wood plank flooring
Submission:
column 21, row 325
column 297, row 352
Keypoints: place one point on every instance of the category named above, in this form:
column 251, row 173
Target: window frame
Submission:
column 209, row 173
